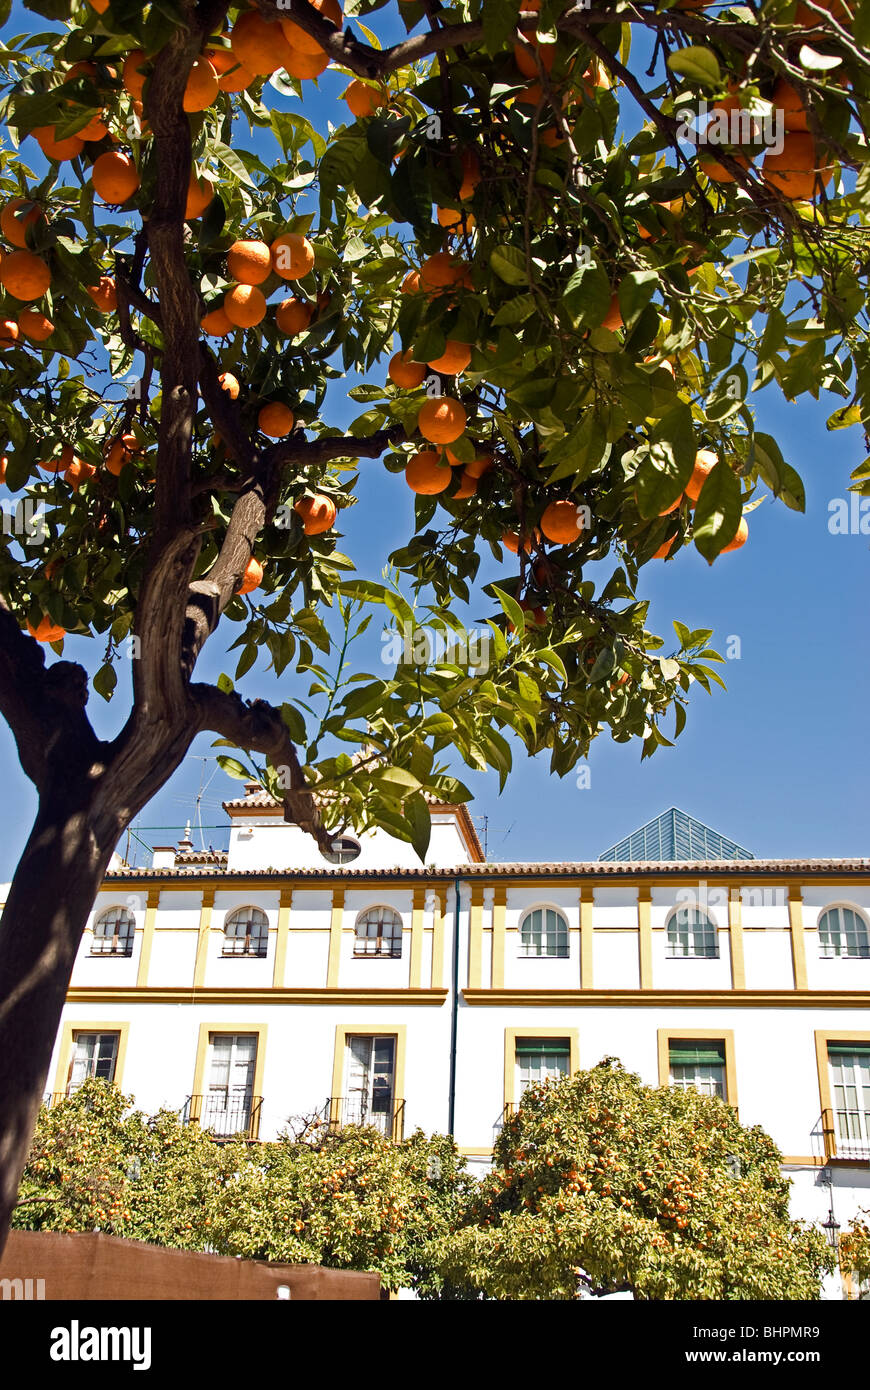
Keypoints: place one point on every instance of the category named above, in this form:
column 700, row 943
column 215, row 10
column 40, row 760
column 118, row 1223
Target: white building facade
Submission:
column 250, row 988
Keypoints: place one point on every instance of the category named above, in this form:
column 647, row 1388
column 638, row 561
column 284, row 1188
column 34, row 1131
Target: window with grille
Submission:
column 843, row 932
column 378, row 933
column 543, row 932
column 246, row 932
column 850, row 1089
column 691, row 933
column 343, row 850
column 698, row 1066
column 113, row 933
column 541, row 1059
column 93, row 1055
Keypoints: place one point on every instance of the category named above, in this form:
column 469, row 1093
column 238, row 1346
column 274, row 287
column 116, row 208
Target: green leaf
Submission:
column 510, row 608
column 233, row 768
column 698, row 64
column 717, row 511
column 419, row 824
column 294, row 722
column 509, row 264
column 396, row 781
column 635, row 292
column 817, row 62
column 105, row 680
column 225, row 684
column 780, row 477
column 516, row 310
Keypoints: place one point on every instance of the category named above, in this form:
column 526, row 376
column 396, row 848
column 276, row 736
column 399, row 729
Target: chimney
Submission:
column 163, row 857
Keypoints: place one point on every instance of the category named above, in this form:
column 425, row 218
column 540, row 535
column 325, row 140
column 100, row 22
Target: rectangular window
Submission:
column 226, row 1108
column 541, row 1059
column 850, row 1090
column 698, row 1066
column 370, row 1082
column 94, row 1054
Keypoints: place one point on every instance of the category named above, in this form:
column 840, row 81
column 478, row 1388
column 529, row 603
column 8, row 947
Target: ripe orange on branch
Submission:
column 252, row 578
column 115, row 177
column 133, row 74
column 441, row 420
column 230, row 384
column 318, row 513
column 199, row 194
column 300, row 39
column 793, row 172
column 201, row 88
column 306, row 65
column 561, row 522
column 8, row 332
column 404, row 371
column 120, row 453
column 15, row 227
column 249, row 262
column 259, row 44
column 442, row 271
column 35, row 325
column 104, row 295
column 24, row 275
column 79, row 472
column 293, row 316
column 292, row 255
column 245, row 306
column 426, row 474
column 705, row 462
column 364, row 100
column 275, row 419
column 46, row 630
column 52, row 148
column 216, row 323
column 740, row 537
column 455, row 358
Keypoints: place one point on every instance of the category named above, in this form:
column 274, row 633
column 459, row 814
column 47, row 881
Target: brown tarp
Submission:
column 89, row 1265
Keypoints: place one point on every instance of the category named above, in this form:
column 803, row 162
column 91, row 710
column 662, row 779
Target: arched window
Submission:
column 378, row 933
column 692, row 933
column 113, row 933
column 843, row 932
column 246, row 932
column 343, row 850
column 543, row 932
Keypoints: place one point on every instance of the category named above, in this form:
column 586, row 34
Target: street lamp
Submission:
column 831, row 1228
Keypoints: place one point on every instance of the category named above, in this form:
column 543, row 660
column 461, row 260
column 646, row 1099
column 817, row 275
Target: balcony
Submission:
column 225, row 1116
column 382, row 1113
column 842, row 1135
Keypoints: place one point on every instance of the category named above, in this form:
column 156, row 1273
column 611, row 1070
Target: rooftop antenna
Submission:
column 199, row 802
column 483, row 821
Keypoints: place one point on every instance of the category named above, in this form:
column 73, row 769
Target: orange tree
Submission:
column 346, row 1200
column 855, row 1248
column 577, row 300
column 602, row 1184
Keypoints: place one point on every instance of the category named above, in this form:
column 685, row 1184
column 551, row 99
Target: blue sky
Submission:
column 778, row 762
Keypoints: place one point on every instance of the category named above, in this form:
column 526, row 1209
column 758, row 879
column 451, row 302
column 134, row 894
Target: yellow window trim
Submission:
column 206, row 1029
column 513, row 1035
column 64, row 1059
column 724, row 1035
column 823, row 1038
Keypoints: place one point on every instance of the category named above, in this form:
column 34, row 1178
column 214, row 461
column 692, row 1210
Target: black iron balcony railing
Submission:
column 842, row 1134
column 226, row 1115
column 384, row 1114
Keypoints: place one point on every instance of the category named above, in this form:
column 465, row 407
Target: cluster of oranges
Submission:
column 705, row 462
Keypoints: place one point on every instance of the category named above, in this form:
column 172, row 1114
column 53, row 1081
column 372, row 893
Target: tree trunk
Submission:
column 52, row 893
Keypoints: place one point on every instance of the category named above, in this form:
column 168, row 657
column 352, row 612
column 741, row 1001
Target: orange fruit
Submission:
column 201, row 88
column 425, row 473
column 14, row 228
column 364, row 100
column 115, row 177
column 133, row 74
column 613, row 318
column 302, row 41
column 35, row 325
column 120, row 453
column 61, row 463
column 793, row 172
column 808, row 19
column 236, row 79
column 561, row 523
column 786, row 98
column 4, row 464
column 664, row 549
column 442, row 271
column 230, row 384
column 46, row 630
column 222, row 59
column 292, row 255
column 740, row 537
column 56, row 149
column 525, row 60
column 470, row 174
column 24, row 275
column 216, row 323
column 718, row 172
column 259, row 44
column 512, row 541
column 199, row 194
column 245, row 306
column 293, row 316
column 8, row 331
column 318, row 513
column 482, row 464
column 249, row 262
column 79, row 472
column 404, row 371
column 705, row 462
column 306, row 65
column 252, row 578
column 275, row 419
column 531, row 95
column 411, row 283
column 96, row 129
column 441, row 420
column 454, row 220
column 455, row 358
column 104, row 295
column 467, row 486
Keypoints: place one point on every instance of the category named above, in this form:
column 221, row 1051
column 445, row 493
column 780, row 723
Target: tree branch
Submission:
column 258, row 726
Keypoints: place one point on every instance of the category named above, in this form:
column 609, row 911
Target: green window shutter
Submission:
column 849, row 1049
column 693, row 1054
column 533, row 1047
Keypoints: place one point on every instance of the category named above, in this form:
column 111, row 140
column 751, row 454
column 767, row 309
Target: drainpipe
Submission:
column 454, row 1020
